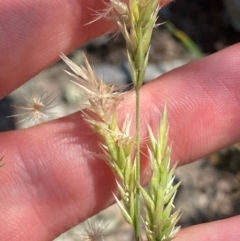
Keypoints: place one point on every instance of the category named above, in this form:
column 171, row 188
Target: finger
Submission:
column 52, row 166
column 34, row 33
column 223, row 230
column 203, row 100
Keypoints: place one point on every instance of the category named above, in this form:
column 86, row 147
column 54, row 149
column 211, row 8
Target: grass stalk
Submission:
column 138, row 167
column 136, row 20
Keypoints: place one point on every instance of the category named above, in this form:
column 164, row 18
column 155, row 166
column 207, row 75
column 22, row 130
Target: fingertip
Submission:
column 34, row 33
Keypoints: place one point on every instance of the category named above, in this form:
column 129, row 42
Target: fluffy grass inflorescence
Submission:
column 94, row 231
column 101, row 114
column 37, row 108
column 136, row 20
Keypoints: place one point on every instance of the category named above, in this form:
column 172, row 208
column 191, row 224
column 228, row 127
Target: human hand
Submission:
column 51, row 181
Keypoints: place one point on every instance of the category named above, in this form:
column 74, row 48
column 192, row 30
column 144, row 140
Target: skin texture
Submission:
column 51, row 180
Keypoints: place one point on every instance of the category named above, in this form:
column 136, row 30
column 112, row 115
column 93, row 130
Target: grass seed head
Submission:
column 94, row 231
column 115, row 10
column 37, row 108
column 101, row 98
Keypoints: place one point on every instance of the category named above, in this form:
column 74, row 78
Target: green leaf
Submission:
column 188, row 43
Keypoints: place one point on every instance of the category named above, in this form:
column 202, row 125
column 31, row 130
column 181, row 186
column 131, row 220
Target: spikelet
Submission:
column 114, row 10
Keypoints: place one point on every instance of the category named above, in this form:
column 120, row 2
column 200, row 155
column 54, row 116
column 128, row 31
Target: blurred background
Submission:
column 192, row 29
